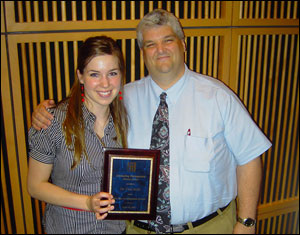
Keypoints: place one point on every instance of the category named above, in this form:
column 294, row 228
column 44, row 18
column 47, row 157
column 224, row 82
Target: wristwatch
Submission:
column 248, row 222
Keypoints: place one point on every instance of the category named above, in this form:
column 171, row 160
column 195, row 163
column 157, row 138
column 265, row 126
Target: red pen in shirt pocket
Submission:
column 189, row 132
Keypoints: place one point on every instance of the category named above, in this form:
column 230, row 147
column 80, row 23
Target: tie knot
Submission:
column 163, row 96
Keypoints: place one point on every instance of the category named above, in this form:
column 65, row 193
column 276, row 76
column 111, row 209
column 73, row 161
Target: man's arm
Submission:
column 41, row 118
column 248, row 183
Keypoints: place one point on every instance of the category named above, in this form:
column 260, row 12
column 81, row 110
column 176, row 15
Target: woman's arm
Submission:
column 40, row 188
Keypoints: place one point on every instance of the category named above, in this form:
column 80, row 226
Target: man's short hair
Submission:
column 158, row 17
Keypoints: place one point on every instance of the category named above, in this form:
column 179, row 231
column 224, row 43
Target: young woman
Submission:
column 66, row 160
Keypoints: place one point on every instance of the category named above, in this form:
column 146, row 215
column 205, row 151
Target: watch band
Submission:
column 248, row 222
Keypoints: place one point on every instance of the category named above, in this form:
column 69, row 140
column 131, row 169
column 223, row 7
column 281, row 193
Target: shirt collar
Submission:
column 90, row 118
column 173, row 92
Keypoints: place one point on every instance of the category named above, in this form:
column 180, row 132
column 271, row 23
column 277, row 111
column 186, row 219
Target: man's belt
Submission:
column 196, row 223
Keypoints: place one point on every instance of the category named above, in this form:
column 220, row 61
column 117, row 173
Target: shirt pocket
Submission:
column 198, row 154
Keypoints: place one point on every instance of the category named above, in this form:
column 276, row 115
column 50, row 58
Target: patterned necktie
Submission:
column 160, row 140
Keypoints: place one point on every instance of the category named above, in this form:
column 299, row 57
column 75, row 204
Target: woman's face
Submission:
column 102, row 80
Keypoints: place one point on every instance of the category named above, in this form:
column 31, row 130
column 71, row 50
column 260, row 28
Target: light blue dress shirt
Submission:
column 211, row 132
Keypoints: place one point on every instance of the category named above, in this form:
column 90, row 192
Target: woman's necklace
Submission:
column 100, row 139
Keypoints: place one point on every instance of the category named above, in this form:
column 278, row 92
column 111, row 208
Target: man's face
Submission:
column 163, row 52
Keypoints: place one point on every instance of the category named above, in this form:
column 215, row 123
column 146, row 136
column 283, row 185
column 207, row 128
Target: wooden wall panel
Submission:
column 265, row 13
column 265, row 75
column 261, row 64
column 6, row 114
column 2, row 20
column 90, row 15
column 13, row 154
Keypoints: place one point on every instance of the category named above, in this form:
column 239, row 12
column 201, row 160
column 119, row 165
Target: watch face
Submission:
column 249, row 222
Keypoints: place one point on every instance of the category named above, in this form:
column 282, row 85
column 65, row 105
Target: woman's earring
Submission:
column 82, row 92
column 120, row 95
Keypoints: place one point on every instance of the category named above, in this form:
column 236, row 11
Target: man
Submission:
column 214, row 145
